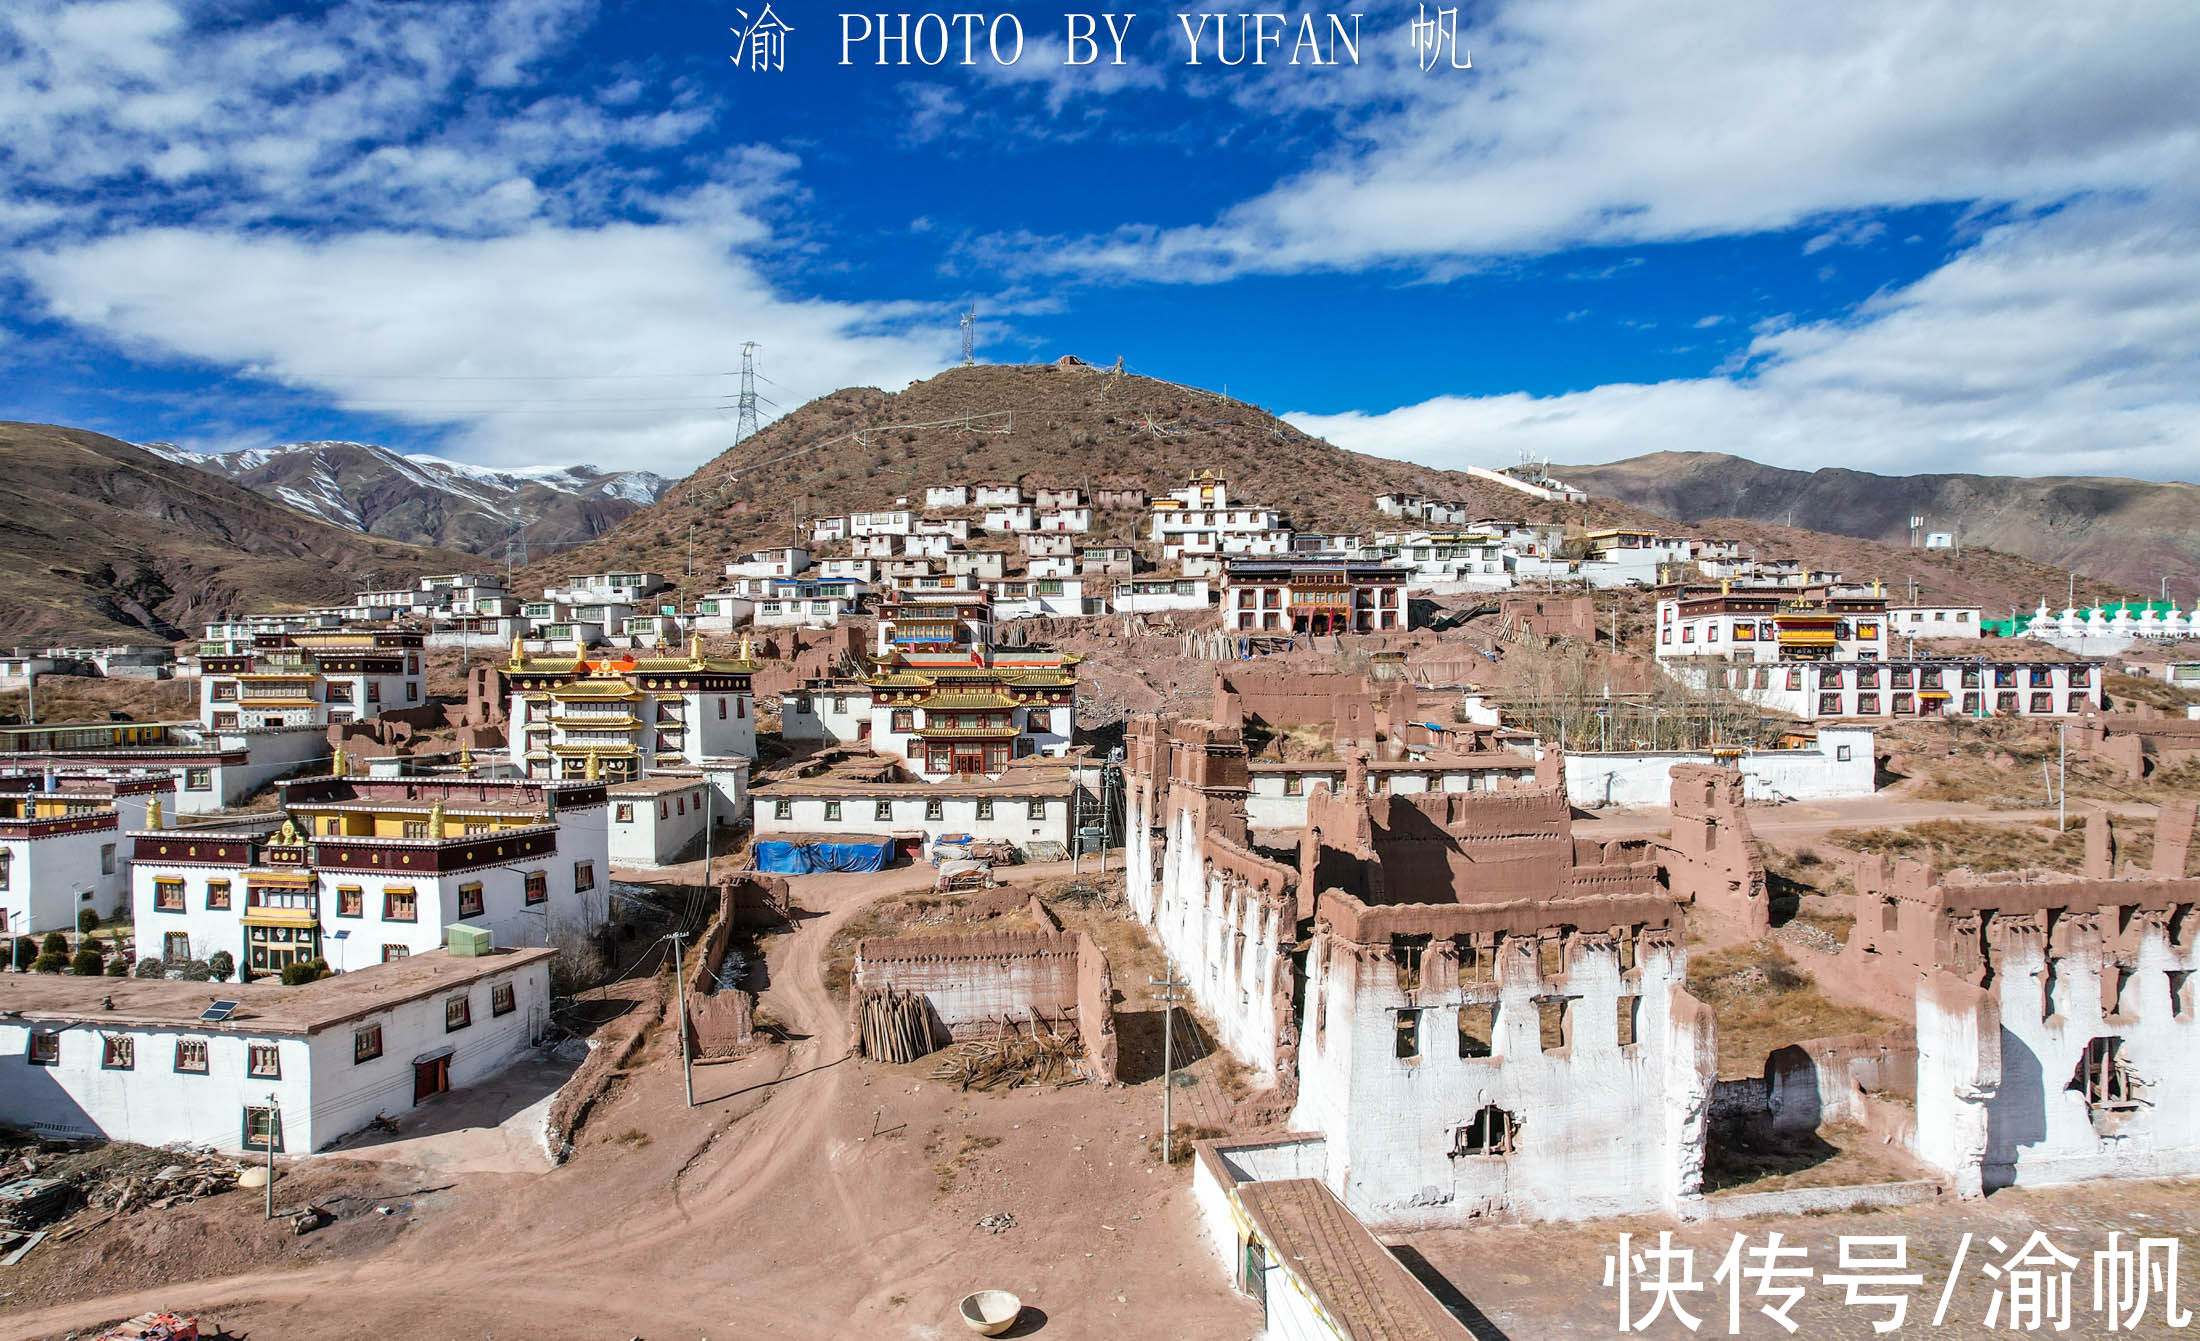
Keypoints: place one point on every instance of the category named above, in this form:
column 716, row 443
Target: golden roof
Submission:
column 967, row 698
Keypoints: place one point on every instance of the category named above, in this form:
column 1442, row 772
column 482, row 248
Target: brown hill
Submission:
column 2130, row 532
column 102, row 540
column 862, row 448
column 1073, row 423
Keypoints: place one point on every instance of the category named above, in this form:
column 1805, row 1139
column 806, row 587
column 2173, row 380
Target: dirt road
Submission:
column 1805, row 819
column 807, row 1195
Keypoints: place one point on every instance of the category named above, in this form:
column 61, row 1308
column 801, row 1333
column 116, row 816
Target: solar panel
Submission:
column 219, row 1011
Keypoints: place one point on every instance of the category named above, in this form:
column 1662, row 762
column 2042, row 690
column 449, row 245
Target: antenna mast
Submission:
column 970, row 335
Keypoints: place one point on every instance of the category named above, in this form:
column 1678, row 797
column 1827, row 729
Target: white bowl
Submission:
column 991, row 1312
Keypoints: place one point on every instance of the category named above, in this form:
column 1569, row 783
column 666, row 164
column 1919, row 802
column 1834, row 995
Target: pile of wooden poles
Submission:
column 1033, row 1055
column 894, row 1026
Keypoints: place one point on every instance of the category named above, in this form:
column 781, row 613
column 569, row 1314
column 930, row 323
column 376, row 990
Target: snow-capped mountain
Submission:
column 427, row 500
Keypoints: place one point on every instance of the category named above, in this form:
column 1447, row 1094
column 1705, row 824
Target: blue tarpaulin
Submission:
column 810, row 858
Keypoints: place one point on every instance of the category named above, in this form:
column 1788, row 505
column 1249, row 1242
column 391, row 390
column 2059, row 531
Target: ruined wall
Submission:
column 721, row 1021
column 2080, row 1000
column 2054, row 1016
column 1359, row 710
column 976, row 983
column 1712, row 862
column 1096, row 1008
column 1869, row 1080
column 2173, row 830
column 488, row 698
column 1553, row 616
column 1606, row 1113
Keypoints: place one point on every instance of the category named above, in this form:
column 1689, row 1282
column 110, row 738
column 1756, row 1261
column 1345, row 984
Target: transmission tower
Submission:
column 745, row 421
column 970, row 335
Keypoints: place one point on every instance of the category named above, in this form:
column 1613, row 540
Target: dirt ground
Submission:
column 1530, row 1282
column 808, row 1194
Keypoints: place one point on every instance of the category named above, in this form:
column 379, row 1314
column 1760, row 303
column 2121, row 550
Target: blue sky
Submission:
column 1892, row 235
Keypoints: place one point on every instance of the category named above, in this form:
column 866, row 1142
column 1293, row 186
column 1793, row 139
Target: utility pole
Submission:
column 2062, row 772
column 274, row 1124
column 1168, row 988
column 679, row 979
column 30, row 696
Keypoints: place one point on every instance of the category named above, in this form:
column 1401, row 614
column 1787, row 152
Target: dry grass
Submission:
column 2125, row 689
column 1763, row 1001
column 1983, row 846
column 949, row 1164
column 1999, row 762
column 90, row 698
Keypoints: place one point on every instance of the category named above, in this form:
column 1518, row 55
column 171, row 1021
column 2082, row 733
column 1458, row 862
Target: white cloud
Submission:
column 2064, row 345
column 389, row 323
column 1613, row 122
column 373, row 203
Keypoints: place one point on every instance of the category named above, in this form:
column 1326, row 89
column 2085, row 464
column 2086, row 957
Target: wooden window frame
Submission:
column 205, row 1057
column 503, row 999
column 463, row 1006
column 255, row 1069
column 274, row 1129
column 391, row 893
column 366, row 1044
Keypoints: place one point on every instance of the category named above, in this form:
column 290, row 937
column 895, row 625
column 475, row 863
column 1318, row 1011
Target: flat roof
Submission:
column 655, row 783
column 1364, row 1291
column 264, row 1007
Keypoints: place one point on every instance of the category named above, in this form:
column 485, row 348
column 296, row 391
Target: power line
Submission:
column 268, row 374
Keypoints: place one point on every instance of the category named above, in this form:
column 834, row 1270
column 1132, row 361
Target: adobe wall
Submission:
column 1096, row 1008
column 2173, row 833
column 1553, row 616
column 488, row 697
column 977, row 982
column 2122, row 751
column 722, row 1021
column 2022, row 985
column 1360, row 710
column 1869, row 1080
column 1601, row 1126
column 1712, row 862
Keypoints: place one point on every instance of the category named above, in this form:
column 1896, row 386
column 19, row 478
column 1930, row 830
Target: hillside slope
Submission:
column 102, row 540
column 861, row 448
column 425, row 500
column 2129, row 532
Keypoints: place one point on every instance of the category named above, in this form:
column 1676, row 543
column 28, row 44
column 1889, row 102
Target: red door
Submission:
column 431, row 1077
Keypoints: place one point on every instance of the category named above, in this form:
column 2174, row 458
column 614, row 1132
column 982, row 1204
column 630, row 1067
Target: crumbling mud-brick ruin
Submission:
column 2055, row 1036
column 1470, row 1013
column 980, row 985
column 1489, row 1017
